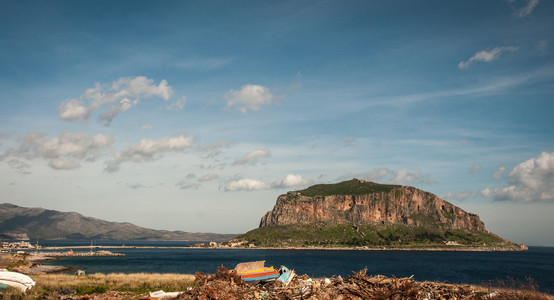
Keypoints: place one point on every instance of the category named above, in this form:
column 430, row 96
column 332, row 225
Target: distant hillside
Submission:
column 362, row 213
column 51, row 224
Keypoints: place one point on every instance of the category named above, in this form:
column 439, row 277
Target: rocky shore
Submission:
column 33, row 264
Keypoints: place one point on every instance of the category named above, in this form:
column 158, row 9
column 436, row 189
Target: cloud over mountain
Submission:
column 291, row 180
column 391, row 176
column 63, row 151
column 246, row 185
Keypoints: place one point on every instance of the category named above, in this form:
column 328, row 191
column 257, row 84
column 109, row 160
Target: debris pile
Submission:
column 226, row 284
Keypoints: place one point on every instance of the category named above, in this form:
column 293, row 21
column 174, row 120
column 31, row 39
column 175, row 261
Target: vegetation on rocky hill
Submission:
column 350, row 187
column 373, row 236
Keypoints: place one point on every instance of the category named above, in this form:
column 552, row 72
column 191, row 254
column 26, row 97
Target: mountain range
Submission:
column 20, row 222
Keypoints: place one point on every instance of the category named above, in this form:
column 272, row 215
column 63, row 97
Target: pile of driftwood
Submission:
column 226, row 284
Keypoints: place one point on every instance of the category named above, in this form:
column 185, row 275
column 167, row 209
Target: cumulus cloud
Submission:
column 179, row 105
column 208, row 177
column 252, row 157
column 527, row 9
column 192, row 182
column 73, row 110
column 125, row 92
column 499, row 172
column 474, row 169
column 249, row 97
column 148, row 150
column 214, row 149
column 122, row 106
column 62, row 151
column 459, row 196
column 291, row 180
column 529, row 181
column 246, row 185
column 384, row 175
column 62, row 164
column 486, row 56
column 185, row 185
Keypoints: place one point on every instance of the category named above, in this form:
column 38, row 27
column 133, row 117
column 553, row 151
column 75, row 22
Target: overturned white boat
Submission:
column 16, row 280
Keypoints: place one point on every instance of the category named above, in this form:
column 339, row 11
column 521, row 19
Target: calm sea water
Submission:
column 450, row 267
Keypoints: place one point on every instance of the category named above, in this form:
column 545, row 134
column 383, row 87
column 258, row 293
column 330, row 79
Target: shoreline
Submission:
column 364, row 248
column 38, row 267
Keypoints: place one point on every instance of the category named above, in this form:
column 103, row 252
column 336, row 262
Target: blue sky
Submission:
column 195, row 116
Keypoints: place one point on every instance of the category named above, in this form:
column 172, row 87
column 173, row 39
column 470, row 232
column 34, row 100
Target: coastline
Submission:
column 35, row 261
column 363, row 248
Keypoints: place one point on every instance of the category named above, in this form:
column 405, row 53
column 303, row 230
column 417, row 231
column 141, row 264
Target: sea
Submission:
column 535, row 266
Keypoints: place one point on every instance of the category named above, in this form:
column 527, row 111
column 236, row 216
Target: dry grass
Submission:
column 99, row 283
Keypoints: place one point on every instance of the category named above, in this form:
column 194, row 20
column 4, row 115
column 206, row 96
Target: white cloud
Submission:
column 459, row 197
column 145, row 127
column 291, row 180
column 179, row 105
column 384, row 175
column 59, row 149
column 403, row 176
column 486, row 56
column 214, row 150
column 527, row 9
column 250, row 97
column 184, row 185
column 208, row 177
column 62, row 164
column 73, row 110
column 252, row 157
column 122, row 106
column 126, row 92
column 475, row 169
column 529, row 181
column 499, row 172
column 148, row 150
column 246, row 185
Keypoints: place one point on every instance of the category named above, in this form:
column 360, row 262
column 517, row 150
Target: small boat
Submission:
column 286, row 275
column 256, row 271
column 16, row 280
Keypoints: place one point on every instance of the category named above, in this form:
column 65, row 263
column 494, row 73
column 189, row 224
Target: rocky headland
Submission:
column 358, row 213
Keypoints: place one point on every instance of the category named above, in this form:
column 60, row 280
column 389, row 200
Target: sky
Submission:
column 197, row 115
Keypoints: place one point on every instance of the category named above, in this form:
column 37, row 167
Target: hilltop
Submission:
column 367, row 214
column 17, row 222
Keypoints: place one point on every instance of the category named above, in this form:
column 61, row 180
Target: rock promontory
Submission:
column 364, row 202
column 358, row 213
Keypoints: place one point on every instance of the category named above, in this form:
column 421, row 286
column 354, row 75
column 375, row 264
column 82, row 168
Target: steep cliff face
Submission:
column 360, row 202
